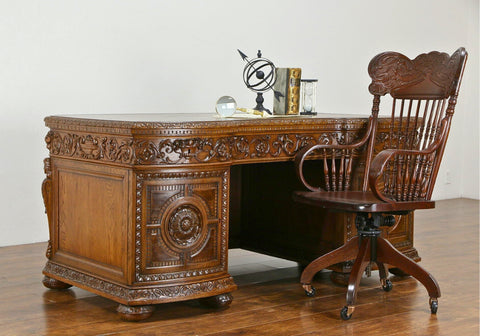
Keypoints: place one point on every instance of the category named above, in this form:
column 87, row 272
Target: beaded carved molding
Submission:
column 141, row 294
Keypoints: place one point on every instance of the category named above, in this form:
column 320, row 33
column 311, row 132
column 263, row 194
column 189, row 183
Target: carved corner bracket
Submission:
column 47, row 200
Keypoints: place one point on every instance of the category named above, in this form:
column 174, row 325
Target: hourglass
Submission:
column 308, row 93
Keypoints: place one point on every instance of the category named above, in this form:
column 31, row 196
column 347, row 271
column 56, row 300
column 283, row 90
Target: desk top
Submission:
column 190, row 117
column 166, row 123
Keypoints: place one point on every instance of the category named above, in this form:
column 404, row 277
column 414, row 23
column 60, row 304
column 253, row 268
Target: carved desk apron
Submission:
column 138, row 205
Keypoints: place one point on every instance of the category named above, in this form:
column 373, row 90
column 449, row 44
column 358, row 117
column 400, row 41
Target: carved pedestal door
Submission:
column 181, row 225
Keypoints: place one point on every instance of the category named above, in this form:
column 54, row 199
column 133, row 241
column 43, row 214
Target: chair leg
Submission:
column 383, row 272
column 359, row 266
column 346, row 252
column 388, row 254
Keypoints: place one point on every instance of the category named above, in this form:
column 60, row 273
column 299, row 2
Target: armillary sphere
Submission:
column 259, row 76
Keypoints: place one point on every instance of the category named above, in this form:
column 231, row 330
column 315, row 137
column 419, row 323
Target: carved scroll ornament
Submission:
column 391, row 71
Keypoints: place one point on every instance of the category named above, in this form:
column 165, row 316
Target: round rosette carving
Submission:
column 185, row 225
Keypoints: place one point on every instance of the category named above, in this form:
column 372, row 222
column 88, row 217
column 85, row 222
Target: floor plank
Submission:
column 270, row 300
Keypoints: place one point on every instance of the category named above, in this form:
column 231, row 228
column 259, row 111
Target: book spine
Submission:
column 280, row 91
column 293, row 91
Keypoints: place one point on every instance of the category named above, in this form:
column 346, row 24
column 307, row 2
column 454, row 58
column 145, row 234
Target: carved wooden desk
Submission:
column 139, row 206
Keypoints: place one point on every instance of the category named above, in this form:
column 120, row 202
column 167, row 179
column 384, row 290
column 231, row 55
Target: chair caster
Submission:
column 309, row 290
column 346, row 313
column 387, row 285
column 433, row 306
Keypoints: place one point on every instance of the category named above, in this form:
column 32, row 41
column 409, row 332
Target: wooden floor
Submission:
column 270, row 300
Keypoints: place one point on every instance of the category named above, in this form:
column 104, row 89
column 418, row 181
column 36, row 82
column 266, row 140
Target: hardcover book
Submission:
column 287, row 91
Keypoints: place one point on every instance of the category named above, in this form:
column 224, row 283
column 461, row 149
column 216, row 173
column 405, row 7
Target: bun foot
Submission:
column 54, row 284
column 135, row 313
column 217, row 301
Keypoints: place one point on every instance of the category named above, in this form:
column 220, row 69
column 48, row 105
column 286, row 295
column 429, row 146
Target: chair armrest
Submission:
column 380, row 161
column 301, row 156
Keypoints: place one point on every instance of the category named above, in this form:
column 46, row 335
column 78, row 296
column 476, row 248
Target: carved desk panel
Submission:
column 142, row 208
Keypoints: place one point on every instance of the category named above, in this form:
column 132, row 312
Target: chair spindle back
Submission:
column 424, row 93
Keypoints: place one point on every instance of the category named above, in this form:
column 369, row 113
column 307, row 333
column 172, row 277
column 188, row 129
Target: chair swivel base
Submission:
column 365, row 248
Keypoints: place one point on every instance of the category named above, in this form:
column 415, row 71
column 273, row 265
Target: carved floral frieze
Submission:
column 172, row 151
column 92, row 147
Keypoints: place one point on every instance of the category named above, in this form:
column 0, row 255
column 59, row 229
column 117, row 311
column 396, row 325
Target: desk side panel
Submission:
column 91, row 217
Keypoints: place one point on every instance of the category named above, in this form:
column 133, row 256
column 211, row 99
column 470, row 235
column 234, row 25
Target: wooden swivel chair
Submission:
column 397, row 180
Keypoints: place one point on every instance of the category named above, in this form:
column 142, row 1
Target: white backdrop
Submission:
column 123, row 56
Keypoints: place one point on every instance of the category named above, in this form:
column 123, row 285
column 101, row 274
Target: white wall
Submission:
column 123, row 56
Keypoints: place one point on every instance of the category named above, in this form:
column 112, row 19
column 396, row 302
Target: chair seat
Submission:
column 357, row 201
